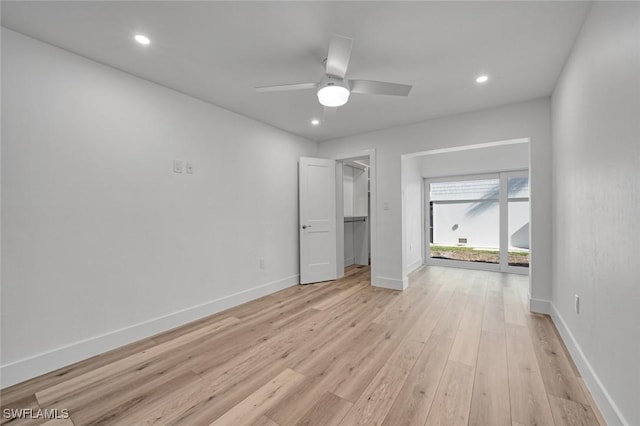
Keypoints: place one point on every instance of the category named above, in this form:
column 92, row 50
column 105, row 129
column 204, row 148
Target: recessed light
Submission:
column 142, row 39
column 482, row 79
column 315, row 122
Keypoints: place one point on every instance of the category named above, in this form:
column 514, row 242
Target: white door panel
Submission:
column 317, row 186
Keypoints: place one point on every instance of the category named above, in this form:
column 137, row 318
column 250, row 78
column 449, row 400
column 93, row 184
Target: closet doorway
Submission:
column 354, row 195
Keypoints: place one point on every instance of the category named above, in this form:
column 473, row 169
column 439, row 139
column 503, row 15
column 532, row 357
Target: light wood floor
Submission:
column 458, row 347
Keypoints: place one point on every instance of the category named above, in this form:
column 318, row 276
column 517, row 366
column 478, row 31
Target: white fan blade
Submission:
column 299, row 86
column 328, row 113
column 369, row 87
column 338, row 57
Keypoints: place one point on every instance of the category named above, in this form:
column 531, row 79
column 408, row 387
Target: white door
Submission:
column 317, row 186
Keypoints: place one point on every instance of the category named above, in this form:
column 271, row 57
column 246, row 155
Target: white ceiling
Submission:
column 219, row 51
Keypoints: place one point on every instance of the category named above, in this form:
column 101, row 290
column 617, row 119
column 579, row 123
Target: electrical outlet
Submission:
column 177, row 166
column 385, row 205
column 190, row 168
column 261, row 263
column 576, row 304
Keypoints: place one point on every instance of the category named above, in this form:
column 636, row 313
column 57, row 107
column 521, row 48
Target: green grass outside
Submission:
column 458, row 249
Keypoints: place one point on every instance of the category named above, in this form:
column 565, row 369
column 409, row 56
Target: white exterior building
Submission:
column 466, row 213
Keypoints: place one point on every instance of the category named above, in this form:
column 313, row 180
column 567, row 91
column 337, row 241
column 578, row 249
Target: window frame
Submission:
column 503, row 200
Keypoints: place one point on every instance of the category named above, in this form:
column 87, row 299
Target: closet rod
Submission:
column 355, row 220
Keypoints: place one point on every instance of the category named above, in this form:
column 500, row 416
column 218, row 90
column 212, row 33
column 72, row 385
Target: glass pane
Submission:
column 465, row 220
column 518, row 214
column 518, row 187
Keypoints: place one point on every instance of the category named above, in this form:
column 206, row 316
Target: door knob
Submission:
column 306, row 226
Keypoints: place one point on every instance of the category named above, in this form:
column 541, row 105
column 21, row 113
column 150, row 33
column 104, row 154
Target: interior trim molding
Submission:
column 414, row 265
column 28, row 368
column 606, row 404
column 390, row 283
column 539, row 306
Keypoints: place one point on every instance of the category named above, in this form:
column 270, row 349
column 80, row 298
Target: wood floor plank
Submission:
column 450, row 320
column 18, row 392
column 177, row 359
column 465, row 345
column 513, row 309
column 357, row 368
column 571, row 413
column 59, row 422
column 557, row 371
column 28, row 402
column 376, row 400
column 339, row 297
column 414, row 400
column 118, row 406
column 289, row 410
column 351, row 371
column 453, row 397
column 255, row 406
column 456, row 347
column 529, row 402
column 592, row 403
column 232, row 381
column 49, row 395
column 490, row 398
column 493, row 318
column 163, row 408
column 264, row 421
column 328, row 411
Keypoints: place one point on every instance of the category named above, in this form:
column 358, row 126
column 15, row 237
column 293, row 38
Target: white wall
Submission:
column 349, row 248
column 522, row 120
column 412, row 213
column 360, row 192
column 102, row 244
column 596, row 196
column 347, row 191
column 476, row 161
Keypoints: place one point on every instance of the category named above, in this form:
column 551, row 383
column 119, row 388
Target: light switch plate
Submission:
column 190, row 168
column 177, row 166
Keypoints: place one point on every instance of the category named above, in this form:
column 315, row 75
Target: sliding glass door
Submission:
column 479, row 221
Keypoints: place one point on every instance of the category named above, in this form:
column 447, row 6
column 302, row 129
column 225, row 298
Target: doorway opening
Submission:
column 335, row 195
column 353, row 189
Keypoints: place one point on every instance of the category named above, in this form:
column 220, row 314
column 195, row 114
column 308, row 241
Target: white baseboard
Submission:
column 607, row 406
column 539, row 306
column 28, row 368
column 414, row 265
column 390, row 283
column 350, row 261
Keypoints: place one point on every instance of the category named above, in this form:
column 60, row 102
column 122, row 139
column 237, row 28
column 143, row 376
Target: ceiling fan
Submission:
column 334, row 89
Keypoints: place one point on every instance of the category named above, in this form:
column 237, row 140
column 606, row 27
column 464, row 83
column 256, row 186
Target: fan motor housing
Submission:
column 329, row 80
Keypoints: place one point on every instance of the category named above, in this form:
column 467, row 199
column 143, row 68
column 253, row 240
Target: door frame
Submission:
column 373, row 214
column 504, row 233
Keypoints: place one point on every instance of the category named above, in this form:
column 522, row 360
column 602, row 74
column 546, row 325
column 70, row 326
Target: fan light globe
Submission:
column 333, row 95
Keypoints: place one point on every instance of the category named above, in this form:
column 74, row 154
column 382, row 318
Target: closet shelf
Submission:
column 355, row 218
